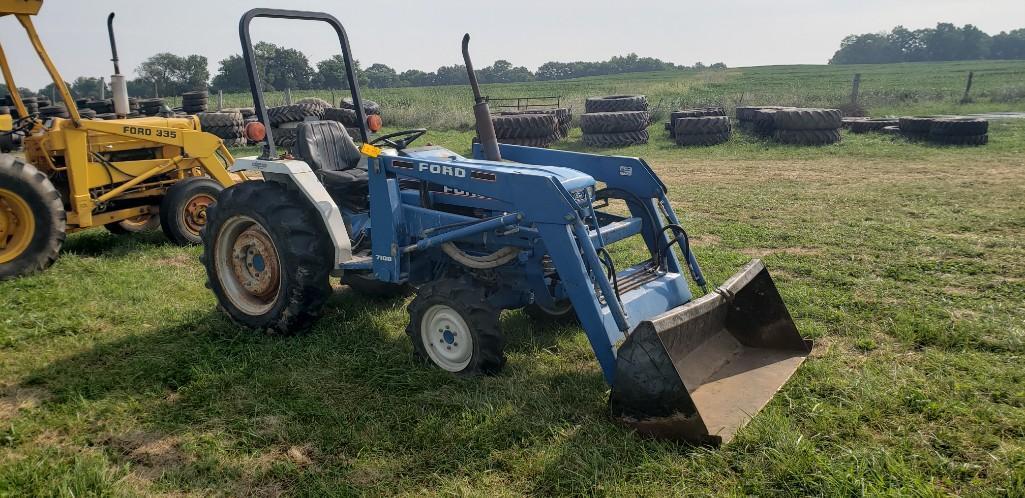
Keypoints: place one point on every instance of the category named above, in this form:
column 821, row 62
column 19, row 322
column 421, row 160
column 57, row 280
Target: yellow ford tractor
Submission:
column 124, row 174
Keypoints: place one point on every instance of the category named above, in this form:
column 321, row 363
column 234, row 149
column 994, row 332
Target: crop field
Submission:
column 901, row 260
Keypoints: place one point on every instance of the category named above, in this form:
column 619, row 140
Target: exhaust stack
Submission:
column 118, row 84
column 481, row 111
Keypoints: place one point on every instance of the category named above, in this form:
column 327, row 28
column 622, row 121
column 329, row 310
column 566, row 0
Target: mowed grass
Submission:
column 903, row 261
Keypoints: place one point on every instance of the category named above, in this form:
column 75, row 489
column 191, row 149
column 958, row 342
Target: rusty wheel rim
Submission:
column 194, row 212
column 248, row 267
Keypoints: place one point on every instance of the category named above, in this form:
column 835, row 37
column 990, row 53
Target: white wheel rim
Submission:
column 446, row 337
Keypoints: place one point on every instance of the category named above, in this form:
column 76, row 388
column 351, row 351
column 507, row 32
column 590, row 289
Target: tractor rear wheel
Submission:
column 183, row 211
column 33, row 222
column 453, row 326
column 268, row 257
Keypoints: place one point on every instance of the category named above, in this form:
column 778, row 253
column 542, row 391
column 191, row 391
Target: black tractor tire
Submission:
column 197, row 94
column 969, row 140
column 702, row 138
column 183, row 210
column 347, row 117
column 293, row 113
column 542, row 142
column 565, row 314
column 304, row 257
column 890, row 130
column 867, row 125
column 285, row 137
column 808, row 119
column 764, row 122
column 21, row 180
column 323, row 104
column 747, row 113
column 808, row 137
column 917, row 124
column 525, row 125
column 616, row 103
column 138, row 224
column 701, row 125
column 466, row 298
column 366, row 285
column 915, row 136
column 223, row 119
column 369, row 106
column 614, row 122
column 971, row 127
column 615, row 139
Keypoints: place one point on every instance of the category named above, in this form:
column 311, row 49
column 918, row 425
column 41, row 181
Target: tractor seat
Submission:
column 329, row 151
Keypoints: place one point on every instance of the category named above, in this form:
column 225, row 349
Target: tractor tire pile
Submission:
column 946, row 130
column 704, row 126
column 284, row 120
column 532, row 128
column 615, row 121
column 228, row 125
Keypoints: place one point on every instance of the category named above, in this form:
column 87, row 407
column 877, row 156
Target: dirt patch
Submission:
column 15, row 399
column 705, row 240
column 761, row 252
column 179, row 261
column 152, row 454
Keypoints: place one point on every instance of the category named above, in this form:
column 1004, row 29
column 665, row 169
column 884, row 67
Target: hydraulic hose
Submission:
column 493, row 260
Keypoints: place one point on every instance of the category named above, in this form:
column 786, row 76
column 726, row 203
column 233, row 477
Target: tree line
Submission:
column 281, row 67
column 945, row 42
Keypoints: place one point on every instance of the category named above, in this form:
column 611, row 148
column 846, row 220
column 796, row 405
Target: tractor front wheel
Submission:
column 453, row 326
column 137, row 224
column 183, row 211
column 268, row 257
column 33, row 222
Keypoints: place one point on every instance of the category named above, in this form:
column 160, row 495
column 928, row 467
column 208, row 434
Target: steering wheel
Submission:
column 409, row 136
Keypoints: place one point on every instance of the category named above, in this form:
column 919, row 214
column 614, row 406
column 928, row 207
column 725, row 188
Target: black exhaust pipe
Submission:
column 481, row 112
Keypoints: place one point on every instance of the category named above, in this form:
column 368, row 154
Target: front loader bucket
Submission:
column 700, row 371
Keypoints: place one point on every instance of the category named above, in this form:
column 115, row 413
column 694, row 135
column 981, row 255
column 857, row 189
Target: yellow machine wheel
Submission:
column 32, row 219
column 141, row 223
column 183, row 210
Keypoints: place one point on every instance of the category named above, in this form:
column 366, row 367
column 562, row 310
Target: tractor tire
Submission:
column 616, row 103
column 183, row 210
column 138, row 224
column 369, row 106
column 323, row 104
column 285, row 137
column 703, row 138
column 347, row 117
column 615, row 139
column 35, row 223
column 915, row 136
column 542, row 142
column 451, row 311
column 890, row 130
column 223, row 119
column 969, row 140
column 614, row 122
column 808, row 119
column 867, row 125
column 764, row 122
column 268, row 257
column 565, row 314
column 971, row 127
column 525, row 125
column 293, row 113
column 366, row 285
column 702, row 125
column 747, row 113
column 917, row 124
column 808, row 137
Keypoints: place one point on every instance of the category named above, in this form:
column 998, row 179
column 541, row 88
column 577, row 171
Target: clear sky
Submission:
column 406, row 34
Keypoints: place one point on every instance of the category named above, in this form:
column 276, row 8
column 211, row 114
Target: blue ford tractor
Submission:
column 511, row 227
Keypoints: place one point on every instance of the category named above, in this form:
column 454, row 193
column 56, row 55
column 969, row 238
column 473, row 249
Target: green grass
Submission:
column 903, row 261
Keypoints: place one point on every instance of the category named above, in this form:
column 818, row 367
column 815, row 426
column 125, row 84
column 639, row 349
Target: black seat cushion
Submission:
column 343, row 179
column 326, row 146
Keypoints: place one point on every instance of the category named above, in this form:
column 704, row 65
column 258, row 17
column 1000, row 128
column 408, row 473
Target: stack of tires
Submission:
column 369, row 106
column 563, row 118
column 150, row 107
column 53, row 111
column 702, row 130
column 946, row 130
column 285, row 119
column 31, row 105
column 615, row 121
column 528, row 129
column 347, row 117
column 694, row 112
column 228, row 125
column 807, row 126
column 99, row 106
column 195, row 102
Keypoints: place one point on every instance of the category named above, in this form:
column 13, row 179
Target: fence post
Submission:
column 288, row 96
column 855, row 87
column 968, row 88
column 220, row 100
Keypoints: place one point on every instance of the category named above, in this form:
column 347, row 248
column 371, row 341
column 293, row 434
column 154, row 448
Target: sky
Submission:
column 425, row 34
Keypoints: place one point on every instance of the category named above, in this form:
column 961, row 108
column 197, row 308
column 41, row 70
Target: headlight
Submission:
column 583, row 196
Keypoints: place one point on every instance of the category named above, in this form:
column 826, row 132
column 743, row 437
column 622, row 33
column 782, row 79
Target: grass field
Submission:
column 903, row 261
column 885, row 89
